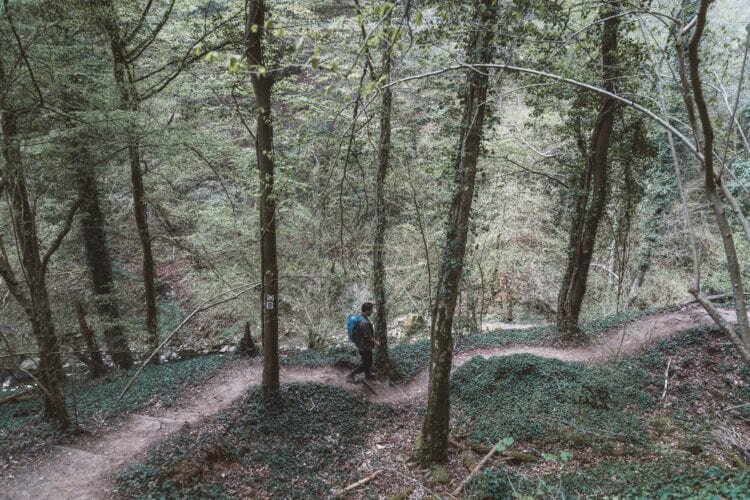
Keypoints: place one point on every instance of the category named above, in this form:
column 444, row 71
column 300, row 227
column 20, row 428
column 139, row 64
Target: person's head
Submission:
column 367, row 308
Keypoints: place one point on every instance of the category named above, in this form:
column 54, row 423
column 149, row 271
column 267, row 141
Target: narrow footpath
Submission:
column 85, row 469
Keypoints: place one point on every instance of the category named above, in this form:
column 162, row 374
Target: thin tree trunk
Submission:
column 129, row 101
column 378, row 251
column 100, row 267
column 712, row 193
column 435, row 427
column 92, row 356
column 36, row 305
column 592, row 199
column 262, row 87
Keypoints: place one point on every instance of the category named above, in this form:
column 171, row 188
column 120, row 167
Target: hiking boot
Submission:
column 351, row 378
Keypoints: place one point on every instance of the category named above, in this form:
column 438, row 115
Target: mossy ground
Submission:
column 577, row 429
column 625, row 434
column 303, row 447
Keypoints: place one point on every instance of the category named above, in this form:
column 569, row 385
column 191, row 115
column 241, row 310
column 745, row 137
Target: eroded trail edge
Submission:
column 84, row 470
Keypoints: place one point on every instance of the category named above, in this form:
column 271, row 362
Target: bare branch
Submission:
column 241, row 116
column 61, row 235
column 22, row 50
column 205, row 160
column 138, row 26
column 134, row 54
column 11, row 281
column 559, row 78
column 206, row 304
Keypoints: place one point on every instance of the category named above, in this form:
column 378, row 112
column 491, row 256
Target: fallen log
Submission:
column 12, row 397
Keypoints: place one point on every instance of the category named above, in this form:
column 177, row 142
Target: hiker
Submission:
column 363, row 336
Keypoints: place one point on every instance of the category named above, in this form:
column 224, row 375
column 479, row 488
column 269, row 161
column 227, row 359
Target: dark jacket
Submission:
column 364, row 334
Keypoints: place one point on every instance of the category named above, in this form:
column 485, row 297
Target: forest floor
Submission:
column 85, row 466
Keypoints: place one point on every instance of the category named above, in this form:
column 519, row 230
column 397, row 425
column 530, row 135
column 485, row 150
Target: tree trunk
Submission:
column 36, row 305
column 99, row 263
column 262, row 87
column 129, row 101
column 434, row 442
column 592, row 197
column 382, row 363
column 712, row 193
column 92, row 356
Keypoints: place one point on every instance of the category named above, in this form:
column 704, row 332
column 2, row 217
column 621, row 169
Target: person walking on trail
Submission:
column 363, row 336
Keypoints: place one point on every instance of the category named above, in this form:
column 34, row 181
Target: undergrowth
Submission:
column 23, row 430
column 621, row 478
column 635, row 448
column 550, row 402
column 301, row 449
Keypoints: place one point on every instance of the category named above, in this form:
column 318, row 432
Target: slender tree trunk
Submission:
column 434, row 442
column 262, row 87
column 593, row 192
column 36, row 305
column 712, row 193
column 100, row 267
column 92, row 357
column 129, row 101
column 378, row 251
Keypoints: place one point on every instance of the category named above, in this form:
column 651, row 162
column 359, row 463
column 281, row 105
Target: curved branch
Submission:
column 134, row 54
column 22, row 50
column 559, row 78
column 141, row 22
column 206, row 304
column 61, row 235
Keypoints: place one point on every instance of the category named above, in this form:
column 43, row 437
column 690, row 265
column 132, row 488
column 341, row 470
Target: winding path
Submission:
column 85, row 470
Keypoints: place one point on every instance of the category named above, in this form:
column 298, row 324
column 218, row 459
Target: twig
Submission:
column 359, row 483
column 736, row 407
column 622, row 341
column 666, row 380
column 237, row 293
column 476, row 469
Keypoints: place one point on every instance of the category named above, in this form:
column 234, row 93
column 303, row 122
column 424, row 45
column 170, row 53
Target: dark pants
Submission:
column 366, row 364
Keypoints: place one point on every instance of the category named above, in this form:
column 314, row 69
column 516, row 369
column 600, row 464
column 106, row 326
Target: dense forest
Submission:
column 218, row 179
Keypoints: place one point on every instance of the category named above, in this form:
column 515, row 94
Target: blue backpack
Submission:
column 351, row 323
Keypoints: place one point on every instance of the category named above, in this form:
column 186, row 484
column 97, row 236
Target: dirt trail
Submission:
column 85, row 470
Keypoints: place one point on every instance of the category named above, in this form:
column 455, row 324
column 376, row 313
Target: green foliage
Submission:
column 170, row 315
column 304, row 443
column 549, row 401
column 316, row 357
column 658, row 479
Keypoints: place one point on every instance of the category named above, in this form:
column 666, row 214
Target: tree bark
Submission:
column 262, row 83
column 712, row 193
column 592, row 195
column 130, row 101
column 434, row 443
column 36, row 305
column 382, row 363
column 92, row 357
column 99, row 262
